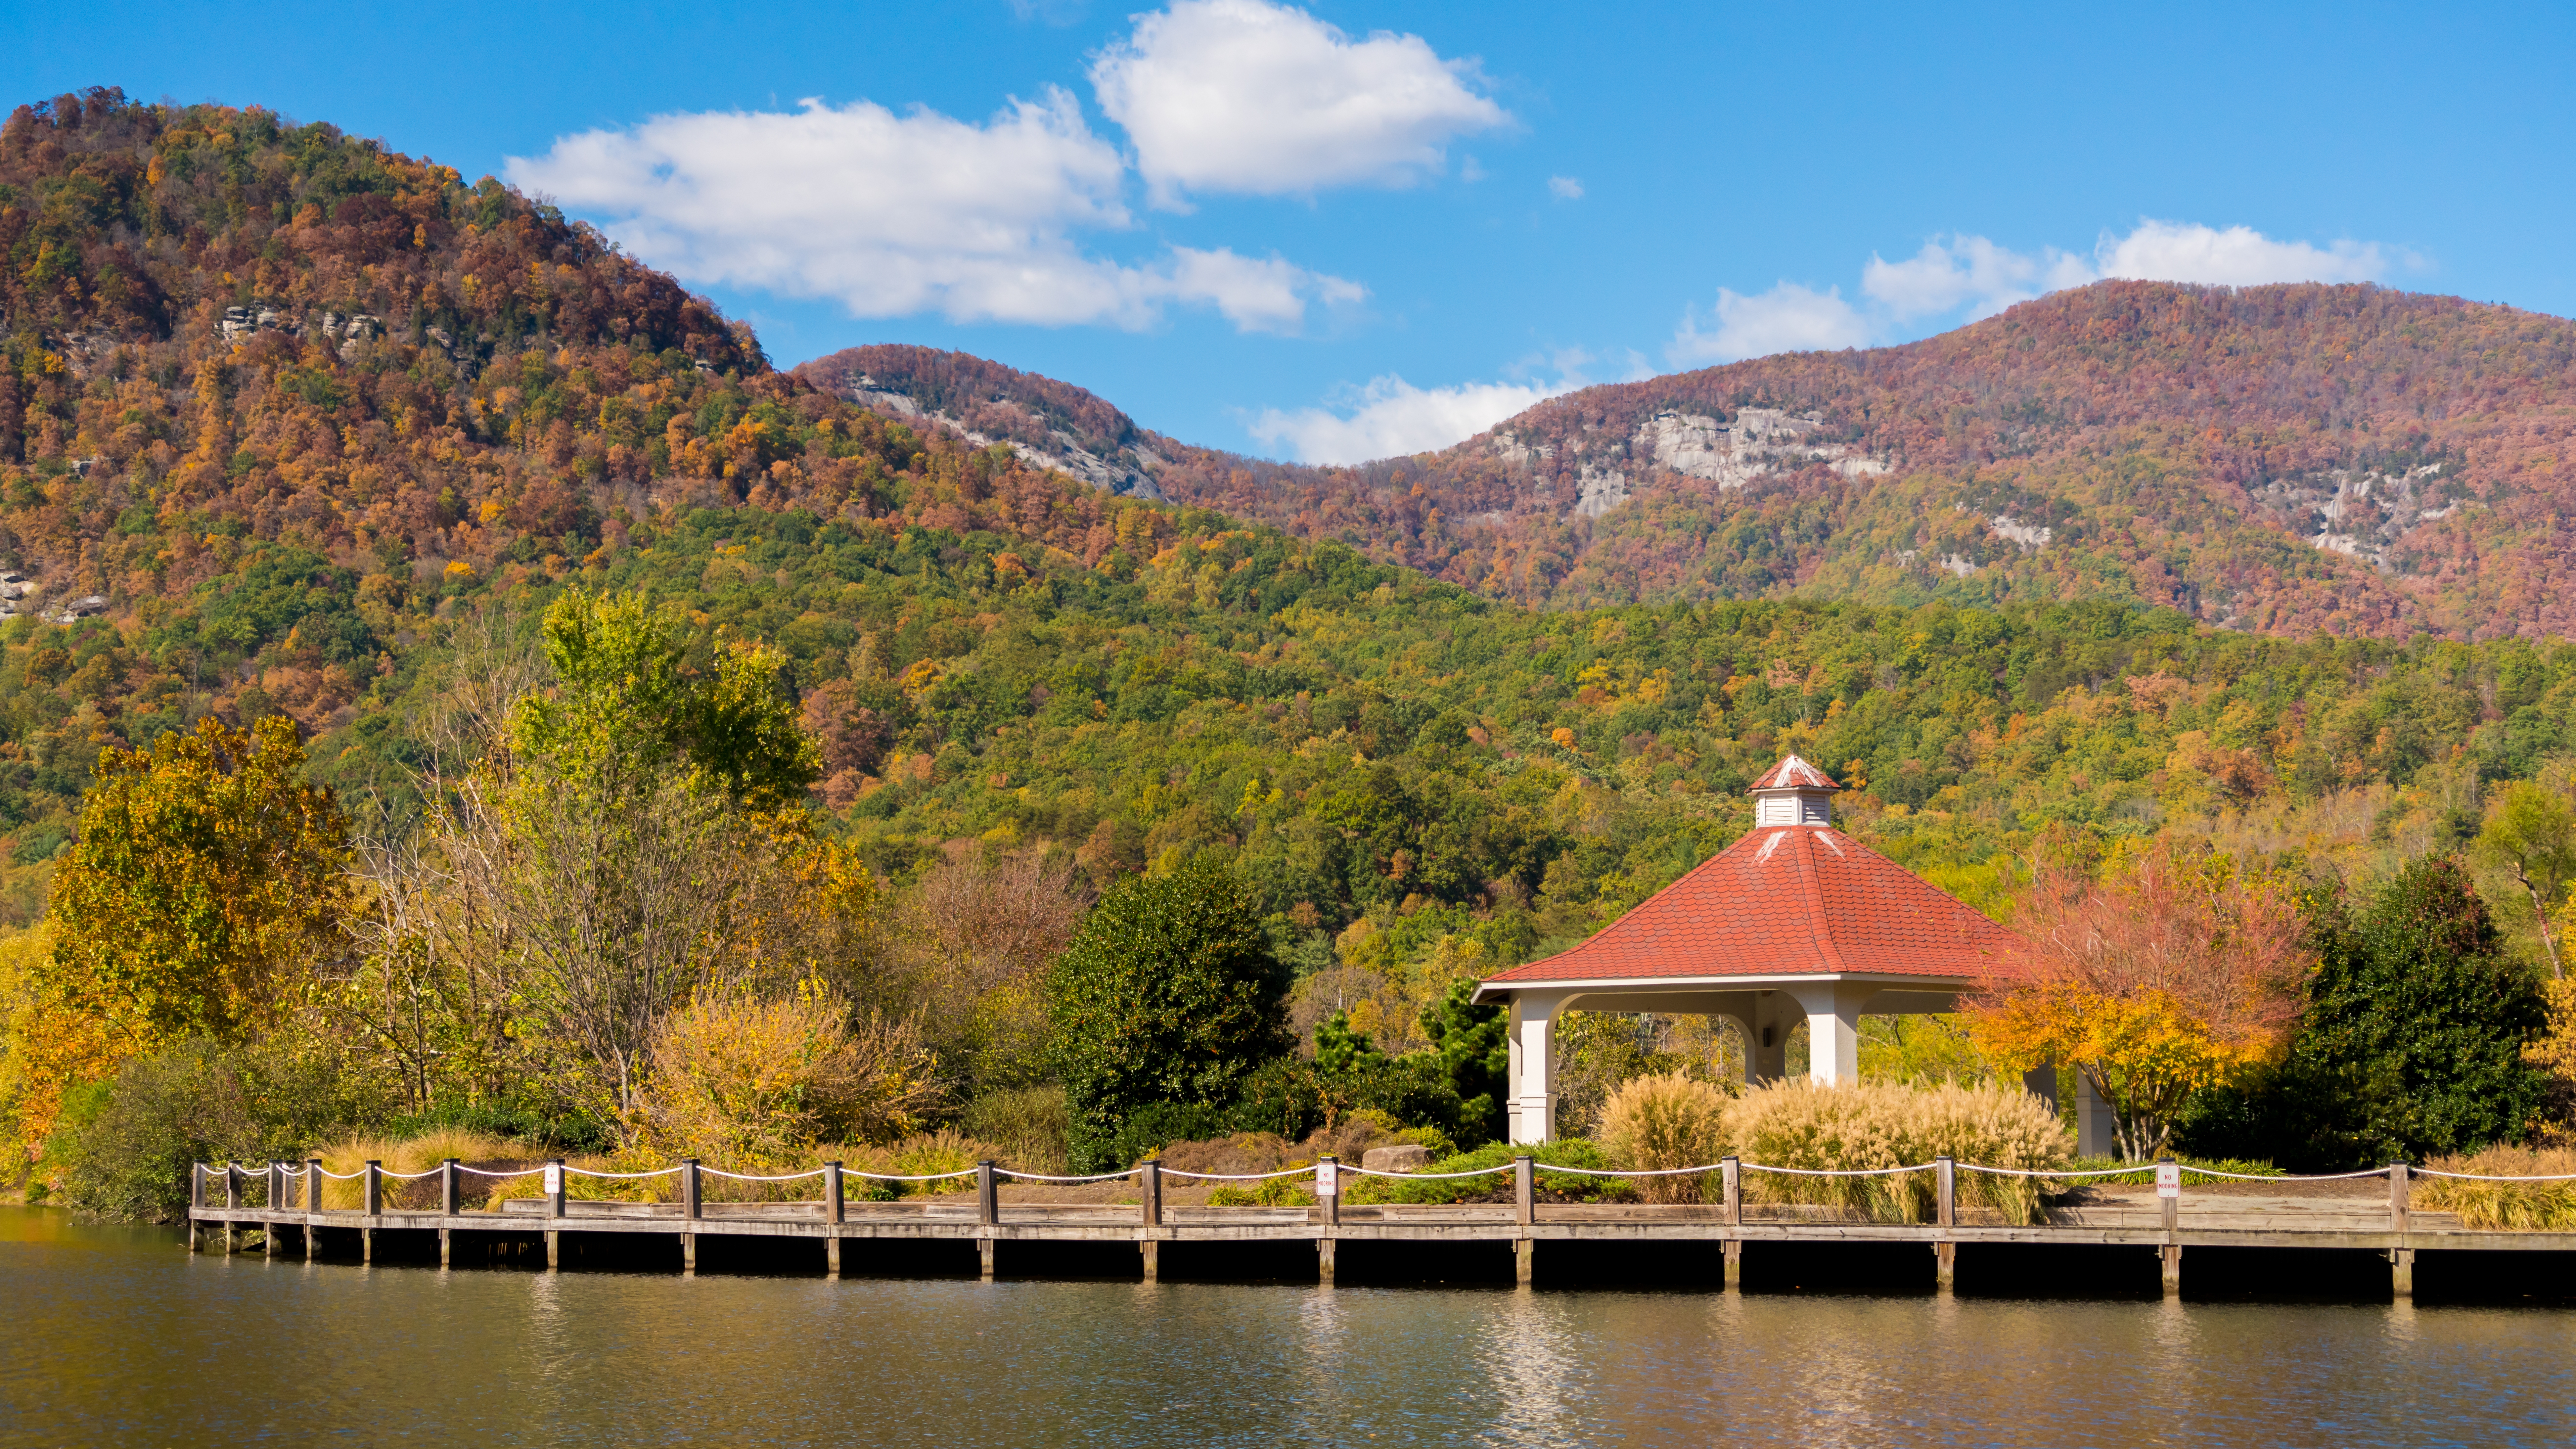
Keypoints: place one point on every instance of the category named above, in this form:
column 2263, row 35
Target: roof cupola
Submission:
column 1793, row 792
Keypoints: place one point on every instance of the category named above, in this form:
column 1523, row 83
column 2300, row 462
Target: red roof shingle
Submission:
column 1787, row 900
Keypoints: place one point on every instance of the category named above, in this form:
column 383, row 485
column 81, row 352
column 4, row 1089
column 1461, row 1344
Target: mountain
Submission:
column 2291, row 459
column 287, row 414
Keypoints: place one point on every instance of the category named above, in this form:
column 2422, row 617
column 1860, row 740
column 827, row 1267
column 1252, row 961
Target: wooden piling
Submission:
column 196, row 1200
column 2401, row 1259
column 312, row 1205
column 988, row 1211
column 1524, row 1190
column 2171, row 1257
column 1734, row 1248
column 1524, row 1261
column 1150, row 1249
column 1945, row 1211
column 1328, row 1189
column 232, row 1202
column 1324, row 1260
column 1149, row 1214
column 556, row 1182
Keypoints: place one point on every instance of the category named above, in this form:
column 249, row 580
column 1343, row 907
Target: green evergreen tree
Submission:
column 1170, row 993
column 2411, row 1043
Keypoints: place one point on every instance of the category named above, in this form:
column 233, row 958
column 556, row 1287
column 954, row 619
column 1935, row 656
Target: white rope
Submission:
column 1306, row 1171
column 342, row 1176
column 2284, row 1177
column 586, row 1172
column 1814, row 1171
column 406, row 1176
column 1042, row 1177
column 747, row 1177
column 2486, row 1177
column 479, row 1172
column 1437, row 1176
column 2051, row 1172
column 1656, row 1172
column 899, row 1177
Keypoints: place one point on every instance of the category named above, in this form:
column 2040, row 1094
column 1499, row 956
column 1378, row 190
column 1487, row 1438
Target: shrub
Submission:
column 756, row 1083
column 1169, row 993
column 1564, row 1152
column 1657, row 1123
column 1027, row 1125
column 2539, row 1206
column 122, row 1148
column 1276, row 1192
column 1859, row 1126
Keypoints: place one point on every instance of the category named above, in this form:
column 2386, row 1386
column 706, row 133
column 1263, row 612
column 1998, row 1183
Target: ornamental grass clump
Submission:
column 2545, row 1206
column 1663, row 1122
column 1878, row 1125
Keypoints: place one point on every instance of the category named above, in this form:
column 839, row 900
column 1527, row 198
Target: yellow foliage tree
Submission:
column 2172, row 973
column 207, row 882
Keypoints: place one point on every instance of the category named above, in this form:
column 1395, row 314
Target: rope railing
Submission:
column 1354, row 1169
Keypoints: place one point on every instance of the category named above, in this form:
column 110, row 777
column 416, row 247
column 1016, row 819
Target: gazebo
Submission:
column 1794, row 920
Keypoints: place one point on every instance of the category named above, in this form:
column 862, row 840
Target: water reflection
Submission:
column 120, row 1336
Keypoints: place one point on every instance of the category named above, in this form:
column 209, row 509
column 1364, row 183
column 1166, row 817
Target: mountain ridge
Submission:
column 2295, row 458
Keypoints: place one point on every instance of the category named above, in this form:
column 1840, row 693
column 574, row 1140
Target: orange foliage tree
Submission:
column 2172, row 972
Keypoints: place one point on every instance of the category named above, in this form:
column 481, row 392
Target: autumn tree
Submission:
column 2531, row 830
column 207, row 884
column 2174, row 971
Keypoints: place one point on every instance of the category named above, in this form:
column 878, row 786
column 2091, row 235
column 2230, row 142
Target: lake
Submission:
column 118, row 1335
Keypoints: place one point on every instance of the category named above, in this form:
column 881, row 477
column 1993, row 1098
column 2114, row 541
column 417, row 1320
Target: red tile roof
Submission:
column 1787, row 900
column 1793, row 773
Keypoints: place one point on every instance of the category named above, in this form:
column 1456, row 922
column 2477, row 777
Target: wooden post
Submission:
column 375, row 1188
column 556, row 1181
column 269, row 1183
column 232, row 1201
column 196, row 1200
column 1734, row 1264
column 988, row 1212
column 313, row 1206
column 451, row 1188
column 1324, row 1260
column 1524, row 1261
column 2169, row 1200
column 834, row 1213
column 1731, row 1178
column 2401, row 1259
column 1328, row 1188
column 1524, row 1190
column 1945, row 1211
column 1149, row 1214
column 692, row 1208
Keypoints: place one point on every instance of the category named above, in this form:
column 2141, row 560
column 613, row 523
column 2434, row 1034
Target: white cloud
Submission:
column 1968, row 277
column 1565, row 188
column 1788, row 318
column 1391, row 417
column 898, row 214
column 1247, row 96
column 2240, row 256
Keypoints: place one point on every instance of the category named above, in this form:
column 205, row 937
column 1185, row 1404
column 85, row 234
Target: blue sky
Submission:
column 1346, row 230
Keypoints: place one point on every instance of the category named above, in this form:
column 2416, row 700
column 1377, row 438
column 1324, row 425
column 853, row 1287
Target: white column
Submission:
column 1833, row 1029
column 1533, row 1067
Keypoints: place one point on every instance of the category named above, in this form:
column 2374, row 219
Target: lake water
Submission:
column 119, row 1336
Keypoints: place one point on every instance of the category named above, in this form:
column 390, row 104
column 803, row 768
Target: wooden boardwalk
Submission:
column 2166, row 1226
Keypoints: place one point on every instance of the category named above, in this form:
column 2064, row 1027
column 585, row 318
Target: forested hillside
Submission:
column 2287, row 459
column 294, row 406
